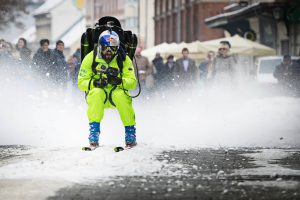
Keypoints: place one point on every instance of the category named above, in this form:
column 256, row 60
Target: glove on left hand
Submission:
column 114, row 80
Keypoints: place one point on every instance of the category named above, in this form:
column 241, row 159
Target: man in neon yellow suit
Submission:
column 106, row 80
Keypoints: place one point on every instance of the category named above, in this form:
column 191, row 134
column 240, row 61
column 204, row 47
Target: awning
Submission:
column 223, row 19
column 198, row 50
column 255, row 9
column 241, row 46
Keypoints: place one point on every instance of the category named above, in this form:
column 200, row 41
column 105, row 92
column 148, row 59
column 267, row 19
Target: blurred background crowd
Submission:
column 182, row 43
column 49, row 64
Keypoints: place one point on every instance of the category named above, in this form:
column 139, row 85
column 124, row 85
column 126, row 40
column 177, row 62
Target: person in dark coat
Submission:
column 170, row 74
column 23, row 51
column 77, row 59
column 60, row 67
column 77, row 55
column 288, row 73
column 205, row 66
column 43, row 59
column 161, row 72
column 186, row 70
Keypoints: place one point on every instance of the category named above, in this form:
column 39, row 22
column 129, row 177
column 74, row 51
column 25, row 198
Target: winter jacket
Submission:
column 224, row 68
column 86, row 76
column 60, row 66
column 205, row 68
column 161, row 70
column 43, row 61
column 188, row 76
column 143, row 66
column 24, row 55
column 287, row 73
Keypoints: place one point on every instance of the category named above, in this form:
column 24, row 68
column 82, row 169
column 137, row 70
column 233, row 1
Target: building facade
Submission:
column 146, row 23
column 59, row 20
column 126, row 11
column 274, row 23
column 183, row 20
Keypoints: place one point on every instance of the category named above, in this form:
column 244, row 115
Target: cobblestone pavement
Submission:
column 198, row 174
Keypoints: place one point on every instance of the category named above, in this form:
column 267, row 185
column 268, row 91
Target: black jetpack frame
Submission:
column 128, row 40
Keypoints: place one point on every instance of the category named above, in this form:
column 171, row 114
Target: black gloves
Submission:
column 101, row 83
column 114, row 80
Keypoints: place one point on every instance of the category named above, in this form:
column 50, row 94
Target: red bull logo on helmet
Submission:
column 108, row 38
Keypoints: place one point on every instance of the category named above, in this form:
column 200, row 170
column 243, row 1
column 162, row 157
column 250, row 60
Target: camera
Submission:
column 109, row 71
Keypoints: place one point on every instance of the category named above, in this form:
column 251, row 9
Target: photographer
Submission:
column 106, row 83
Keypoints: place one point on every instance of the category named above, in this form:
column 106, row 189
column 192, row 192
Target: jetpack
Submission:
column 128, row 41
column 89, row 39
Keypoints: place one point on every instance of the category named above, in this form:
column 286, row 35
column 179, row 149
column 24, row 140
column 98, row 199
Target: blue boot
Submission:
column 130, row 138
column 94, row 134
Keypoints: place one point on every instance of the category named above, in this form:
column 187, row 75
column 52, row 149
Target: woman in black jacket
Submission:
column 24, row 53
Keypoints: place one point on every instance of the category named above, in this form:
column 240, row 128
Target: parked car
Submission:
column 265, row 67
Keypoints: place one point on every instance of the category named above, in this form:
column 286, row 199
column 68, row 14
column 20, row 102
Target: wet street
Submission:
column 230, row 173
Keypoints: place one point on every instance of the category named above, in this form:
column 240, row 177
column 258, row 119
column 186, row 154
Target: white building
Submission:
column 60, row 20
column 146, row 23
column 126, row 11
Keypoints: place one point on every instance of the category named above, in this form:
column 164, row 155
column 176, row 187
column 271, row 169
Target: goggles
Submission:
column 112, row 49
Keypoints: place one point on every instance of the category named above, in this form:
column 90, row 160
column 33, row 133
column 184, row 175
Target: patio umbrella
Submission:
column 241, row 46
column 196, row 49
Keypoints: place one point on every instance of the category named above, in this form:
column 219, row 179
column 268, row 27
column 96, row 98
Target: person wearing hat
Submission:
column 106, row 74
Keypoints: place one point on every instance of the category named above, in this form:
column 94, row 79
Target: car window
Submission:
column 268, row 66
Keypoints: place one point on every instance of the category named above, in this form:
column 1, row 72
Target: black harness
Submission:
column 94, row 65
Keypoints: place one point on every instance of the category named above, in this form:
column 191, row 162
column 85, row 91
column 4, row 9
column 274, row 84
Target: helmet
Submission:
column 108, row 40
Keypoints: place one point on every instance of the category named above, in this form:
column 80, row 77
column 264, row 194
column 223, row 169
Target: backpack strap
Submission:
column 120, row 63
column 121, row 56
column 94, row 64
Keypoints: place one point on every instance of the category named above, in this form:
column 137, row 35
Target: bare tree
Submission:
column 10, row 11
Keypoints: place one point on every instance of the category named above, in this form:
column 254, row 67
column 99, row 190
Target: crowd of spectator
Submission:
column 183, row 73
column 49, row 64
column 219, row 67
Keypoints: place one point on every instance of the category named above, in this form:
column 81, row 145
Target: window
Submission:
column 285, row 47
column 268, row 66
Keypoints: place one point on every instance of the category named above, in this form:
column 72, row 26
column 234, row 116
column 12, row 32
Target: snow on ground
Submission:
column 71, row 164
column 33, row 113
column 263, row 159
column 30, row 189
